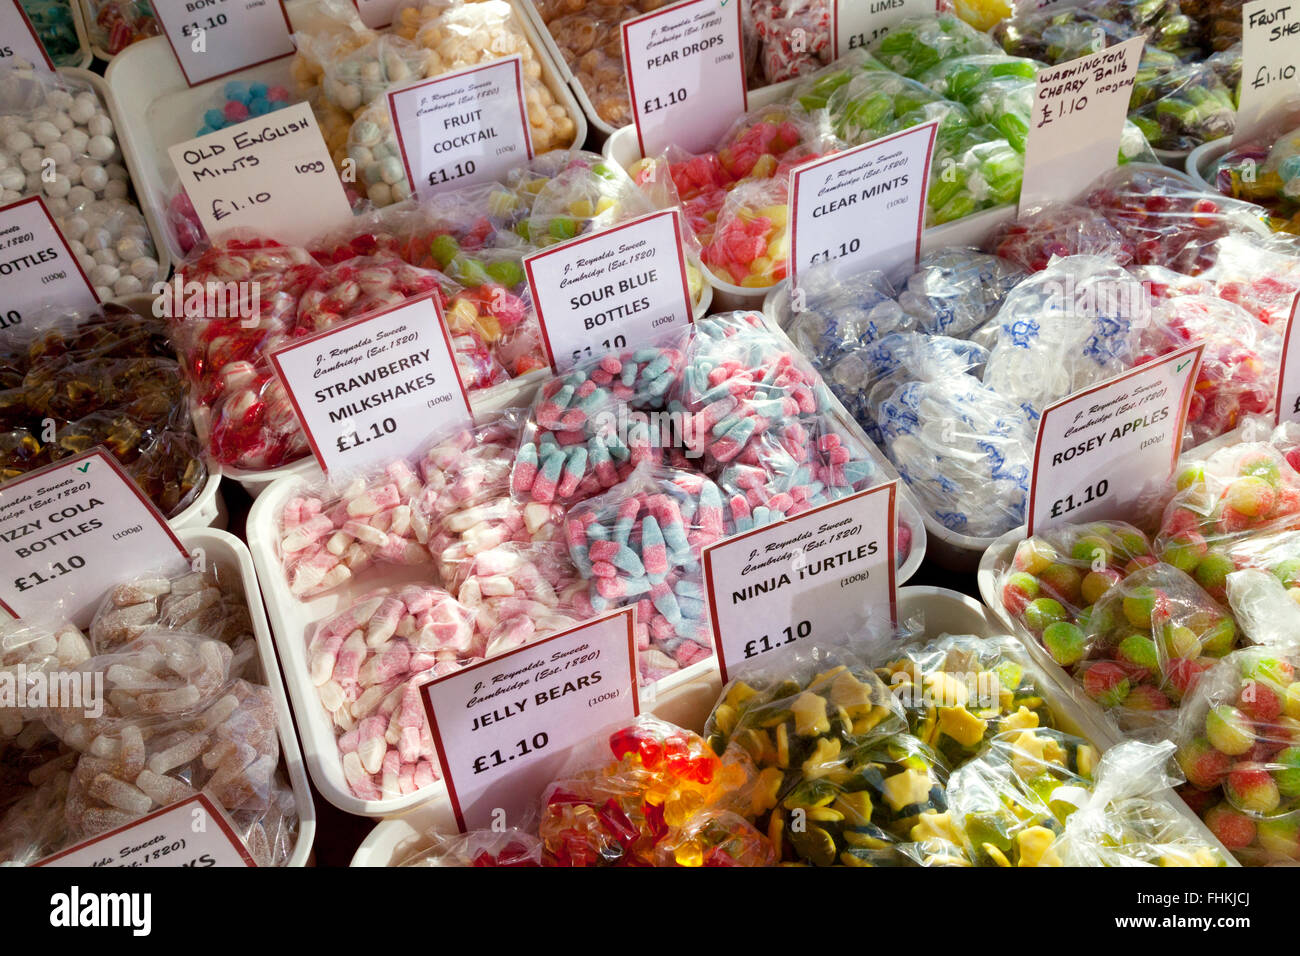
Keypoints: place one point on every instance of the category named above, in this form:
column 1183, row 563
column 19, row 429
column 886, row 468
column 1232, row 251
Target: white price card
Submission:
column 372, row 390
column 862, row 207
column 1104, row 451
column 1077, row 122
column 376, row 14
column 37, row 267
column 271, row 175
column 611, row 290
column 1288, row 379
column 504, row 726
column 462, row 128
column 817, row 578
column 685, row 74
column 18, row 40
column 213, row 38
column 856, row 24
column 1270, row 58
column 72, row 530
column 194, row 832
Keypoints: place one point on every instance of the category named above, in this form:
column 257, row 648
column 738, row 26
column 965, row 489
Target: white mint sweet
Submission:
column 128, row 285
column 100, row 147
column 144, row 268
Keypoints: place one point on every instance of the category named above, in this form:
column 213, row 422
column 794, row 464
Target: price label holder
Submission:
column 504, row 726
column 1106, row 450
column 271, row 175
column 856, row 24
column 612, row 290
column 814, row 579
column 462, row 128
column 685, row 73
column 1077, row 122
column 37, row 267
column 72, row 530
column 1288, row 379
column 213, row 38
column 369, row 391
column 864, row 206
column 376, row 14
column 19, row 39
column 1270, row 59
column 194, row 832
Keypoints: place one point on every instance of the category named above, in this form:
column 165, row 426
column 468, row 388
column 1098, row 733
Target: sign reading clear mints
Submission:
column 864, row 207
column 611, row 290
column 270, row 176
column 460, row 128
column 192, row 833
column 212, row 38
column 1288, row 384
column 1077, row 122
column 856, row 24
column 503, row 727
column 70, row 531
column 1106, row 450
column 37, row 268
column 814, row 579
column 20, row 43
column 685, row 74
column 1270, row 59
column 370, row 391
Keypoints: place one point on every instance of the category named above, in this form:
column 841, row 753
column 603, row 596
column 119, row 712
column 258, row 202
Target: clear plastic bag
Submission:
column 513, row 847
column 1043, row 233
column 917, row 45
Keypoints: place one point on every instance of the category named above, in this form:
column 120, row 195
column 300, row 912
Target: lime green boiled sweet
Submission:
column 1065, row 642
column 1219, row 638
column 506, row 272
column 1042, row 612
column 563, row 227
column 1189, row 475
column 468, row 271
column 1212, row 573
column 444, row 248
column 1139, row 650
column 1139, row 605
column 1287, row 772
column 1288, row 572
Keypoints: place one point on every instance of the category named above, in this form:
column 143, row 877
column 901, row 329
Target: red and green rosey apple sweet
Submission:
column 1239, row 747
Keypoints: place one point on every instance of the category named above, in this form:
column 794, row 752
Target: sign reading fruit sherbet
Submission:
column 1105, row 450
column 1288, row 379
column 1270, row 59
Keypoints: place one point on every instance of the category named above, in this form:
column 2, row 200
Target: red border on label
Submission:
column 1290, row 338
column 628, row 612
column 891, row 487
column 810, row 166
column 62, row 238
column 49, row 64
column 99, row 451
column 1198, row 348
column 288, row 27
column 675, row 213
column 514, row 58
column 627, row 66
column 217, row 813
column 274, row 356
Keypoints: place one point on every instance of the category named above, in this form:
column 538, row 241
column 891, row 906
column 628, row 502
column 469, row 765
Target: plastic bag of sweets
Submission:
column 1239, row 364
column 27, row 646
column 794, row 37
column 1008, row 805
column 1261, row 276
column 918, row 44
column 365, row 663
column 1056, row 578
column 963, row 78
column 1238, row 492
column 827, row 737
column 1043, row 233
column 57, row 141
column 116, row 24
column 972, row 169
column 1147, row 643
column 749, row 244
column 814, row 91
column 1168, row 221
column 640, row 542
column 1239, row 746
column 652, row 794
column 1267, row 170
column 512, row 847
column 829, row 316
column 1179, row 106
column 959, row 691
column 580, row 438
column 32, row 826
column 875, row 103
column 239, row 410
column 55, row 29
column 462, row 35
column 1068, row 326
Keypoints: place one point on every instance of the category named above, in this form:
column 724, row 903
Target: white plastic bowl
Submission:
column 1201, row 160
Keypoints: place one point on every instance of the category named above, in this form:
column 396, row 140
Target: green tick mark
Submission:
column 84, row 468
column 1183, row 366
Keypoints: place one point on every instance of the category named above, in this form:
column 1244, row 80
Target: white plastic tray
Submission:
column 941, row 611
column 229, row 554
column 1201, row 160
column 161, row 110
